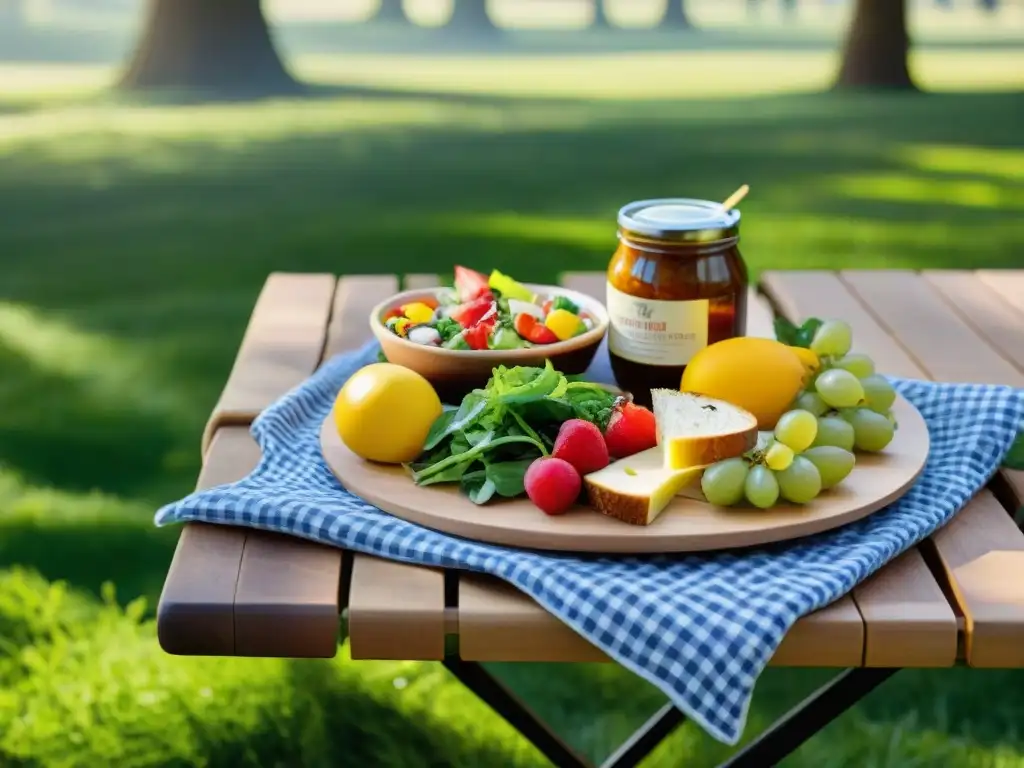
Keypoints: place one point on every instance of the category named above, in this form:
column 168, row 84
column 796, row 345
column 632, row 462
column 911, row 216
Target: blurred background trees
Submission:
column 223, row 46
column 877, row 43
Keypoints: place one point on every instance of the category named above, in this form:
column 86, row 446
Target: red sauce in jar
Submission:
column 676, row 283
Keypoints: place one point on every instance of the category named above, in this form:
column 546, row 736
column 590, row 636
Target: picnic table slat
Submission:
column 947, row 348
column 395, row 610
column 984, row 310
column 989, row 313
column 196, row 609
column 286, row 601
column 285, row 581
column 982, row 551
column 281, row 346
column 908, row 621
column 821, row 294
column 1008, row 283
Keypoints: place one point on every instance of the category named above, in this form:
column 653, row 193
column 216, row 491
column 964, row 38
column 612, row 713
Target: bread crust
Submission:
column 682, row 452
column 629, row 509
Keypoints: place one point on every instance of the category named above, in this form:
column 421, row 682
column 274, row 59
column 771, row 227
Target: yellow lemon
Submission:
column 384, row 412
column 761, row 375
column 809, row 360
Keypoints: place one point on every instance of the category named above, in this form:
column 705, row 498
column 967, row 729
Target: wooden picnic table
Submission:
column 958, row 597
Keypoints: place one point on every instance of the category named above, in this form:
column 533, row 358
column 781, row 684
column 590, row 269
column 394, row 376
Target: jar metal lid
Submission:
column 679, row 219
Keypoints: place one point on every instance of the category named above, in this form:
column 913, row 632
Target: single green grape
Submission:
column 761, row 487
column 834, row 464
column 839, row 388
column 859, row 365
column 878, row 392
column 812, row 402
column 722, row 482
column 871, row 431
column 832, row 430
column 797, row 429
column 800, row 481
column 778, row 456
column 833, row 338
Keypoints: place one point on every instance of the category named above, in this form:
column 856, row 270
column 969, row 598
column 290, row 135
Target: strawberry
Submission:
column 471, row 285
column 552, row 484
column 631, row 429
column 581, row 444
column 472, row 312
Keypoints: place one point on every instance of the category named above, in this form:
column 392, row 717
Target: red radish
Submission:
column 552, row 484
column 532, row 330
column 581, row 444
column 631, row 429
column 472, row 312
column 471, row 285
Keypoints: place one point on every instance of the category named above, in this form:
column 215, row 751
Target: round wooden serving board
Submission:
column 689, row 524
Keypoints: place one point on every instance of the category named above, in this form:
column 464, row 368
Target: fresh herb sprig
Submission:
column 487, row 443
column 796, row 335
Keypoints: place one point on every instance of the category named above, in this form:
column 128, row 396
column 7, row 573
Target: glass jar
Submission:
column 676, row 283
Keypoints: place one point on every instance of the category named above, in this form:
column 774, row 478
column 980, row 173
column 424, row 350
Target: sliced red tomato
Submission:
column 470, row 313
column 477, row 336
column 471, row 285
column 533, row 331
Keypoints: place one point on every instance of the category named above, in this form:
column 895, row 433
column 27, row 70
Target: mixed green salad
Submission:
column 483, row 312
column 489, row 441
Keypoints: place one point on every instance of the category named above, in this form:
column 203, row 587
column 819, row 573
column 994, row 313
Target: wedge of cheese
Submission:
column 637, row 489
column 694, row 430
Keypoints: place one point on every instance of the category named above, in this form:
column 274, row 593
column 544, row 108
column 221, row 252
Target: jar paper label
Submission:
column 656, row 332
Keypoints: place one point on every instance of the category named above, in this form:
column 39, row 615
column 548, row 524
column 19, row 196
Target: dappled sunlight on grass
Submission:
column 658, row 75
column 109, row 372
column 904, row 188
column 994, row 162
column 64, row 535
column 594, row 233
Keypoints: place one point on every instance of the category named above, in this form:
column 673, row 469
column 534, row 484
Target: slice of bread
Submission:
column 637, row 489
column 694, row 430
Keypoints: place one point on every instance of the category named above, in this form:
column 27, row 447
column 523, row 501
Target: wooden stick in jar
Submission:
column 732, row 200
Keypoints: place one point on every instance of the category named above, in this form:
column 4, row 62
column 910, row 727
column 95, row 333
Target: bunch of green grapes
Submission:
column 846, row 407
column 851, row 402
column 789, row 466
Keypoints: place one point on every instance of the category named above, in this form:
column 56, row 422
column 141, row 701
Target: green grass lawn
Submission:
column 135, row 237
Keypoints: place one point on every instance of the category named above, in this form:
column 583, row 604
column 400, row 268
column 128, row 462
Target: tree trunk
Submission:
column 471, row 15
column 600, row 19
column 875, row 52
column 392, row 11
column 675, row 16
column 217, row 45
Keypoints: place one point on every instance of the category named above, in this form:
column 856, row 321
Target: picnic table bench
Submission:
column 957, row 598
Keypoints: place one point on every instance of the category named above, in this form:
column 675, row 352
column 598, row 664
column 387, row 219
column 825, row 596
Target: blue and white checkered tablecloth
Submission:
column 700, row 627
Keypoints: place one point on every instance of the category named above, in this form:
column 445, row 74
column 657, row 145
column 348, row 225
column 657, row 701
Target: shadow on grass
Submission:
column 86, row 553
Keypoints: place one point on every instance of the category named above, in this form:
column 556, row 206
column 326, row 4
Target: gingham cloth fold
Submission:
column 701, row 628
